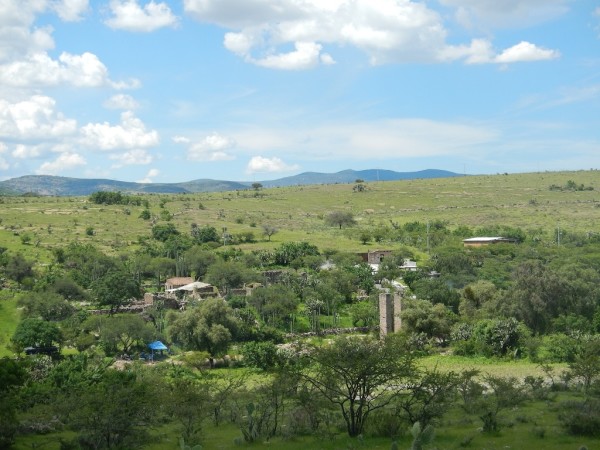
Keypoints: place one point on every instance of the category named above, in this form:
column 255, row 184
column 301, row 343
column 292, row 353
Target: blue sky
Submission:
column 171, row 91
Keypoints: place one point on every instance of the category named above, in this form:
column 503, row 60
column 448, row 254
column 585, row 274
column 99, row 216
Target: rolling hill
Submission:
column 64, row 186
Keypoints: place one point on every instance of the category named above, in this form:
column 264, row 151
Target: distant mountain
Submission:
column 63, row 186
column 350, row 176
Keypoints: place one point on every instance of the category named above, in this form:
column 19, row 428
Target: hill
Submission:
column 64, row 186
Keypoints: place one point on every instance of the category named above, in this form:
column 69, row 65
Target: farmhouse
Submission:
column 483, row 241
column 177, row 282
column 375, row 256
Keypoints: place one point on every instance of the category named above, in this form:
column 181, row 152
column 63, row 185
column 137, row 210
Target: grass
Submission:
column 519, row 368
column 519, row 200
column 9, row 318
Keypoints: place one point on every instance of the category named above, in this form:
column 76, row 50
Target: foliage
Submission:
column 113, row 413
column 262, row 355
column 120, row 333
column 581, row 418
column 114, row 198
column 427, row 395
column 340, row 219
column 47, row 306
column 210, row 326
column 34, row 332
column 228, row 274
column 204, row 234
column 357, row 374
column 163, row 231
column 116, row 289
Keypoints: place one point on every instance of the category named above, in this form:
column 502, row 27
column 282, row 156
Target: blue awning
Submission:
column 157, row 345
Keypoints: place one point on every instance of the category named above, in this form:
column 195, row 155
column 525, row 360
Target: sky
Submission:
column 251, row 90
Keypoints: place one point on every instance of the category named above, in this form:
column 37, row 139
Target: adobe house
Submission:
column 375, row 256
column 483, row 241
column 177, row 282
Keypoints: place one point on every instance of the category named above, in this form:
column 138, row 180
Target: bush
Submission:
column 262, row 355
column 581, row 418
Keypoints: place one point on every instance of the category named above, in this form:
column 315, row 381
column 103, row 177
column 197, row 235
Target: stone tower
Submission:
column 390, row 307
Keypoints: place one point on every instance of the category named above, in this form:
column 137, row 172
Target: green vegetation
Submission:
column 499, row 346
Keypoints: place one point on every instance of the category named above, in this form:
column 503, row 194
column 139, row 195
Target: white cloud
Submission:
column 129, row 15
column 130, row 134
column 259, row 164
column 181, row 140
column 17, row 36
column 152, row 173
column 506, row 13
column 375, row 140
column 34, row 118
column 38, row 69
column 3, row 147
column 65, row 161
column 525, row 51
column 137, row 157
column 212, row 148
column 70, row 10
column 22, row 151
column 121, row 101
column 3, row 164
column 388, row 31
column 306, row 56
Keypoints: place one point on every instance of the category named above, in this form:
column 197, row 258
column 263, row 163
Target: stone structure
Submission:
column 390, row 307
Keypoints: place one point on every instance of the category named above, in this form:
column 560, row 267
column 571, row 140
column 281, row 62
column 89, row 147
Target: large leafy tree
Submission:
column 358, row 374
column 210, row 326
column 116, row 289
column 35, row 332
column 274, row 303
column 228, row 274
column 340, row 219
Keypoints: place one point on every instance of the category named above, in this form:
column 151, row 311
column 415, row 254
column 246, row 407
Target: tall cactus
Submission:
column 420, row 436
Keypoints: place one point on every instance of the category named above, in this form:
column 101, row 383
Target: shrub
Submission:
column 581, row 418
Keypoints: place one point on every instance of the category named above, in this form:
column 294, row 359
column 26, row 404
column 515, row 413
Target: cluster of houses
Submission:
column 180, row 290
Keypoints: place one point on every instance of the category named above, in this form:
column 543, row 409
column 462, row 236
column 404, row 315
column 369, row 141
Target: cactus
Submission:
column 421, row 437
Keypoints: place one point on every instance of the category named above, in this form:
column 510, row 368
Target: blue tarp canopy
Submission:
column 157, row 345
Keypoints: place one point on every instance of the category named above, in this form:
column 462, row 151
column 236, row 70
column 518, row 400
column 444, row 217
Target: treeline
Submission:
column 117, row 198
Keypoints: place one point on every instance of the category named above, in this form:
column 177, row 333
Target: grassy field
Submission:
column 519, row 200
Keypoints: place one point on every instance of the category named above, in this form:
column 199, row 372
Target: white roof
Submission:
column 484, row 239
column 190, row 287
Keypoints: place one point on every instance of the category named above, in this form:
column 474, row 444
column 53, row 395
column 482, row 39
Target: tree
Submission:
column 586, row 365
column 204, row 234
column 435, row 321
column 257, row 186
column 162, row 232
column 120, row 333
column 18, row 268
column 189, row 401
column 115, row 412
column 115, row 289
column 36, row 333
column 228, row 274
column 274, row 303
column 340, row 219
column 358, row 374
column 210, row 326
column 47, row 306
column 12, row 376
column 427, row 396
column 269, row 230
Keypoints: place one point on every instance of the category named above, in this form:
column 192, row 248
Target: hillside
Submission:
column 64, row 186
